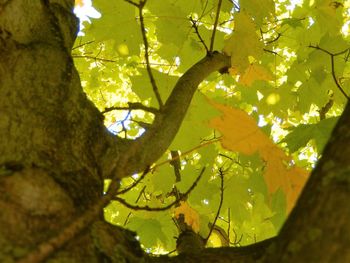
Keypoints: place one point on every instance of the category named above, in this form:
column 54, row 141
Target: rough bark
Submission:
column 55, row 153
column 51, row 136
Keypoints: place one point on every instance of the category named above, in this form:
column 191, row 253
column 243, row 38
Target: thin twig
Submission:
column 215, row 26
column 203, row 10
column 237, row 241
column 221, row 174
column 195, row 26
column 273, row 40
column 142, row 192
column 184, row 154
column 272, row 52
column 84, row 44
column 332, row 55
column 148, row 66
column 132, row 106
column 132, row 3
column 134, row 184
column 94, row 58
column 235, row 5
column 124, row 129
column 155, row 209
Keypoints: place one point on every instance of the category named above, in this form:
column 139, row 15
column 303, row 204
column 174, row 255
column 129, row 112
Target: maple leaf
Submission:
column 240, row 133
column 259, row 9
column 243, row 42
column 191, row 216
column 246, row 137
column 328, row 12
column 255, row 72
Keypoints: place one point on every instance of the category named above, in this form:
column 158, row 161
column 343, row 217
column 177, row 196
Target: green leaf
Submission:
column 244, row 36
column 303, row 133
column 311, row 92
column 171, row 23
column 195, row 125
column 278, row 206
column 163, row 179
column 149, row 230
column 118, row 22
column 293, row 22
column 141, row 85
column 258, row 9
column 328, row 15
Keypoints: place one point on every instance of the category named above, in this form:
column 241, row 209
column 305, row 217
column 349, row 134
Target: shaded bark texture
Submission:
column 55, row 153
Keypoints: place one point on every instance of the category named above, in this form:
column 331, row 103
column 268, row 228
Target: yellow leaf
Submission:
column 275, row 168
column 239, row 130
column 191, row 216
column 326, row 13
column 240, row 133
column 79, row 3
column 243, row 42
column 255, row 72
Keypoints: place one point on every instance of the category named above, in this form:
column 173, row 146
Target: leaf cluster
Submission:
column 261, row 126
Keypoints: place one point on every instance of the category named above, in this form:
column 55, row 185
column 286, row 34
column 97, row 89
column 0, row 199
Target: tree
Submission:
column 281, row 63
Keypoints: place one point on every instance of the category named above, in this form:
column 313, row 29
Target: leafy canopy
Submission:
column 257, row 129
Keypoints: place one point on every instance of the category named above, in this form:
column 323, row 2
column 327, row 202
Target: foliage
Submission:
column 272, row 113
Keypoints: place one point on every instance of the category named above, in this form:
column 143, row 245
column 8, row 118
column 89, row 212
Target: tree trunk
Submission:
column 55, row 153
column 52, row 136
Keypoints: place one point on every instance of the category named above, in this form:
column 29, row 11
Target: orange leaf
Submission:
column 255, row 72
column 239, row 130
column 191, row 216
column 240, row 133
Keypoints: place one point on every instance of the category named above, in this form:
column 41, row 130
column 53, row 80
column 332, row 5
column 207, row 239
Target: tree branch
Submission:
column 132, row 106
column 215, row 26
column 145, row 42
column 94, row 58
column 83, row 44
column 149, row 147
